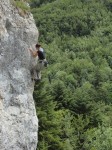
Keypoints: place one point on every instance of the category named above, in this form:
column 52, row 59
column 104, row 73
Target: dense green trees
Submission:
column 74, row 98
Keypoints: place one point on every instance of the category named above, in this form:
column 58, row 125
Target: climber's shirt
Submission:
column 41, row 54
column 42, row 59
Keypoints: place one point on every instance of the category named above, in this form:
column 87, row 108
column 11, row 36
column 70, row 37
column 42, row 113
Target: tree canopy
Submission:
column 74, row 98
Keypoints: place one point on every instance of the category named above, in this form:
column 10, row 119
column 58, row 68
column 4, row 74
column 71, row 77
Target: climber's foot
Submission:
column 37, row 80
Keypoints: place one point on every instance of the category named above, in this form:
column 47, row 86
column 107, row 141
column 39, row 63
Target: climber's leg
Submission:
column 38, row 74
column 37, row 71
column 39, row 68
column 41, row 65
column 35, row 74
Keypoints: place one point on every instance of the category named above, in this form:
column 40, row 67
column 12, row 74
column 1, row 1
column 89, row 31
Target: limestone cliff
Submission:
column 18, row 121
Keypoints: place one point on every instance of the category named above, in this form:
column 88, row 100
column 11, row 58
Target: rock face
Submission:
column 18, row 121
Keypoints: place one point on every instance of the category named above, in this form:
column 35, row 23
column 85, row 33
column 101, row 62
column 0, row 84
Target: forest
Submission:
column 74, row 98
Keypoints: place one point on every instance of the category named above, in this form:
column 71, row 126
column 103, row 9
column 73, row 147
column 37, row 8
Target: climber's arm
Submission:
column 34, row 53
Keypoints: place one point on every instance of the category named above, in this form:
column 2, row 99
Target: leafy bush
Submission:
column 21, row 4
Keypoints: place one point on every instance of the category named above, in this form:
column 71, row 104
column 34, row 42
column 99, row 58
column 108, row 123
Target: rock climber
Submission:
column 42, row 62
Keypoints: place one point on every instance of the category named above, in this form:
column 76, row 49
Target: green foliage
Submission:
column 37, row 3
column 74, row 100
column 55, row 130
column 98, row 139
column 21, row 4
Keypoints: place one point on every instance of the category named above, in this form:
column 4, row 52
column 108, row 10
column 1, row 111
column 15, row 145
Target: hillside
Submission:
column 74, row 99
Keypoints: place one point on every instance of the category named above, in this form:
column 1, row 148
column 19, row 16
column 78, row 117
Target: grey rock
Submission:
column 18, row 120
